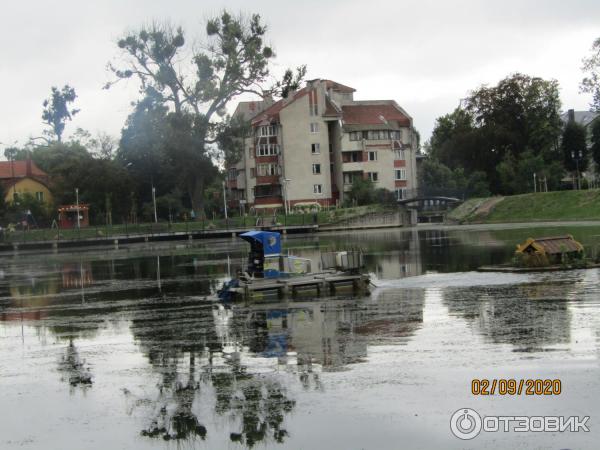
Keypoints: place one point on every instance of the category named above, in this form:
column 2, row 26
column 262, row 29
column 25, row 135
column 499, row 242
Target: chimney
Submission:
column 28, row 170
column 571, row 115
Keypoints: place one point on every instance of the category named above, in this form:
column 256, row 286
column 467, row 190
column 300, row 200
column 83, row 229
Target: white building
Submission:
column 309, row 147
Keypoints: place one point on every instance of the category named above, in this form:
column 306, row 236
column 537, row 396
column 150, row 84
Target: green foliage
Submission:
column 520, row 114
column 101, row 182
column 574, row 147
column 595, row 138
column 435, row 175
column 362, row 192
column 233, row 60
column 57, row 110
column 591, row 82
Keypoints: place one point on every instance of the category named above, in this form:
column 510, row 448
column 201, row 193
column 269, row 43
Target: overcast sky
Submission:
column 426, row 55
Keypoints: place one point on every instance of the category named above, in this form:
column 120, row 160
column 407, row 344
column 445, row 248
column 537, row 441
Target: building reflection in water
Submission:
column 530, row 317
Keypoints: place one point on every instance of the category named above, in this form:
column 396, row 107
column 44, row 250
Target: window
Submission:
column 267, row 150
column 400, row 174
column 251, row 152
column 252, row 172
column 373, row 176
column 267, row 130
column 317, row 188
column 314, row 127
column 372, row 156
column 400, row 193
column 315, row 148
column 352, row 157
column 378, row 134
column 316, row 169
column 314, row 109
column 232, row 175
column 349, row 177
column 399, row 154
column 356, row 136
column 267, row 170
column 396, row 135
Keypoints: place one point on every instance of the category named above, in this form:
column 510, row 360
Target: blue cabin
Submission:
column 263, row 244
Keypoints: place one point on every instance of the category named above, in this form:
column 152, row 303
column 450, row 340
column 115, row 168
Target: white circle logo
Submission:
column 465, row 423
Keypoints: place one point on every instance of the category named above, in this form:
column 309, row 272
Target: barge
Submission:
column 271, row 273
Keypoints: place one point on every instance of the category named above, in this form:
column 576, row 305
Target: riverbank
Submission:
column 534, row 207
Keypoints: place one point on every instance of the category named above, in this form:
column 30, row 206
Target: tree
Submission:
column 362, row 191
column 591, row 82
column 102, row 183
column 520, row 113
column 199, row 83
column 574, row 147
column 595, row 138
column 57, row 110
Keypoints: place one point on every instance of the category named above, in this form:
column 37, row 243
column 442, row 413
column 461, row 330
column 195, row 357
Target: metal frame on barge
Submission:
column 286, row 276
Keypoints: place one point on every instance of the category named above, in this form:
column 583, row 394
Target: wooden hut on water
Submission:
column 546, row 251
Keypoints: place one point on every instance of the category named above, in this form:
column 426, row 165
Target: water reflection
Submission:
column 530, row 317
column 204, row 373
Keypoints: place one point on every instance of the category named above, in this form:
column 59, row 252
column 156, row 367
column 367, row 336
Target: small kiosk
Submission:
column 67, row 216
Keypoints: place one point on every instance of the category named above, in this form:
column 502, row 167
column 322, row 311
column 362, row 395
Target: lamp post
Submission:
column 225, row 200
column 154, row 203
column 77, row 201
column 286, row 199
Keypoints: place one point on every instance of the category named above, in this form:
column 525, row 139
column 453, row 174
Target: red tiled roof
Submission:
column 373, row 114
column 330, row 84
column 272, row 112
column 19, row 169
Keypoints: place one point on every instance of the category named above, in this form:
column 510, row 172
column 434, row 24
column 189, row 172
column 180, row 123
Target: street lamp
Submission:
column 286, row 200
column 225, row 200
column 77, row 201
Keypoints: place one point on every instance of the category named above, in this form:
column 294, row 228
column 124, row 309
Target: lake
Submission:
column 125, row 349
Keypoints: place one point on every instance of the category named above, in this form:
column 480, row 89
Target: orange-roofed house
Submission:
column 308, row 148
column 24, row 177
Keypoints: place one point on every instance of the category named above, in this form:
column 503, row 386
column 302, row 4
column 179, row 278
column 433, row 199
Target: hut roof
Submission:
column 552, row 245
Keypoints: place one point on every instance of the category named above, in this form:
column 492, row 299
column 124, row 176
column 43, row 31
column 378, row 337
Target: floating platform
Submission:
column 324, row 283
column 553, row 268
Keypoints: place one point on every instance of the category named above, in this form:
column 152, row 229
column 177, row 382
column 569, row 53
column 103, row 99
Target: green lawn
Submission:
column 549, row 206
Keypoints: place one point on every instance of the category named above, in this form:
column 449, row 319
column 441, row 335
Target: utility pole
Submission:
column 77, row 201
column 534, row 183
column 154, row 202
column 225, row 200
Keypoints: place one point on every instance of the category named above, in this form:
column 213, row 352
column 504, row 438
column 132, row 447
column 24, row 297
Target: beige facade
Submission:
column 309, row 147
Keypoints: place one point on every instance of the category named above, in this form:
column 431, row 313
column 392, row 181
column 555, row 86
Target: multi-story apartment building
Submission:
column 309, row 147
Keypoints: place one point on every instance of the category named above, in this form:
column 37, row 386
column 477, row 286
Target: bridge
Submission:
column 431, row 204
column 435, row 194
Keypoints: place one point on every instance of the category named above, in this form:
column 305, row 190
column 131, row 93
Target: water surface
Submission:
column 126, row 348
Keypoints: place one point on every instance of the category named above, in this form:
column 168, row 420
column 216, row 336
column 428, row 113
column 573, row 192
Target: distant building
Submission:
column 24, row 177
column 308, row 148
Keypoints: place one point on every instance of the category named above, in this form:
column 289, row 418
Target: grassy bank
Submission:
column 548, row 206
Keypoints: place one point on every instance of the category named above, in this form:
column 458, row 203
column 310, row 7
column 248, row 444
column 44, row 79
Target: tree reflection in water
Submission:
column 201, row 374
column 75, row 370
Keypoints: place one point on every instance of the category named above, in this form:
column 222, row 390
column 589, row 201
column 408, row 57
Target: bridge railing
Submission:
column 428, row 192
